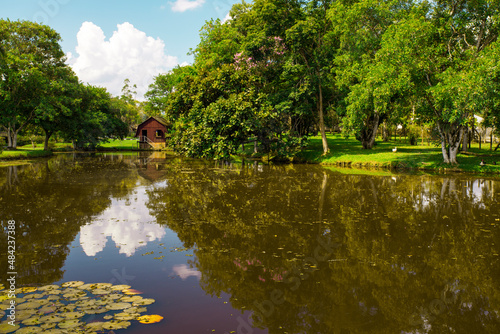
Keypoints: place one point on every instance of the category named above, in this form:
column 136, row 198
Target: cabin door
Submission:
column 144, row 135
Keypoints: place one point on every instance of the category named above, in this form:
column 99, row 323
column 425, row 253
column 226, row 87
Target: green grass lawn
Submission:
column 23, row 152
column 52, row 146
column 120, row 144
column 349, row 152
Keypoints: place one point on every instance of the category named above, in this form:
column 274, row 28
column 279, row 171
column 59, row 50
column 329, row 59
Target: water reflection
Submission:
column 184, row 272
column 312, row 251
column 301, row 249
column 126, row 222
column 50, row 201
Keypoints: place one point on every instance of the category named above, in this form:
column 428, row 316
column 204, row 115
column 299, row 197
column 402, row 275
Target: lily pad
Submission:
column 34, row 296
column 146, row 301
column 64, row 307
column 69, row 323
column 100, row 291
column 95, row 326
column 150, row 319
column 131, row 299
column 48, row 287
column 131, row 292
column 74, row 294
column 31, row 321
column 23, row 315
column 87, row 286
column 29, row 330
column 72, row 284
column 136, row 309
column 114, row 295
column 116, row 324
column 118, row 306
column 5, row 327
column 51, row 318
column 54, row 331
column 73, row 315
column 48, row 325
column 127, row 316
column 28, row 305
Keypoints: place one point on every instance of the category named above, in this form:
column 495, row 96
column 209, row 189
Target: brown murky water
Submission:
column 247, row 248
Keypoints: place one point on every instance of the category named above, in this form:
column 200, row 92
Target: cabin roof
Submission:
column 160, row 120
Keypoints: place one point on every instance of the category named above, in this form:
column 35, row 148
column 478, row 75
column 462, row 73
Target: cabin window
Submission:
column 159, row 134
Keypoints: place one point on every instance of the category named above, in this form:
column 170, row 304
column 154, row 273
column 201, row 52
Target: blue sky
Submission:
column 122, row 38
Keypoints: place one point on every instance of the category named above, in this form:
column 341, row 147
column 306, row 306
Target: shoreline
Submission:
column 344, row 153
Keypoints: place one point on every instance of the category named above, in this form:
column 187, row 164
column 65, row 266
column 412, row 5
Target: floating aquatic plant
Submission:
column 74, row 307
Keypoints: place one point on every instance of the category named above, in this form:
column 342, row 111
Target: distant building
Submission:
column 151, row 133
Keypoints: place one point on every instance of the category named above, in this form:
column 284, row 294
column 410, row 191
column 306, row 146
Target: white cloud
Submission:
column 128, row 54
column 226, row 18
column 184, row 272
column 183, row 5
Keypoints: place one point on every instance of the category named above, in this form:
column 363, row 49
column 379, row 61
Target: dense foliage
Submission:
column 282, row 69
column 40, row 93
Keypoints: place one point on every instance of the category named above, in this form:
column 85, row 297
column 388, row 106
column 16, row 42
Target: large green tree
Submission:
column 360, row 26
column 313, row 47
column 165, row 84
column 93, row 120
column 33, row 60
column 434, row 55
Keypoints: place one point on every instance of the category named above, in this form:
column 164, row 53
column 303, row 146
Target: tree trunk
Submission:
column 466, row 139
column 9, row 137
column 13, row 139
column 451, row 136
column 46, row 142
column 322, row 120
column 444, row 150
column 370, row 132
column 454, row 148
column 385, row 134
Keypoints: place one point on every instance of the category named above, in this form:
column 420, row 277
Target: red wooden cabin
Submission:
column 151, row 133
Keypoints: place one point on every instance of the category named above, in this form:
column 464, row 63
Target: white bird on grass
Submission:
column 395, row 149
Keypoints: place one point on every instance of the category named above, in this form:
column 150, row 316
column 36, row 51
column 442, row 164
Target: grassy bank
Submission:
column 24, row 153
column 349, row 152
column 21, row 156
column 122, row 145
column 343, row 153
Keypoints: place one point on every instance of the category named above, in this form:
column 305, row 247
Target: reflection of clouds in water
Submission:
column 184, row 272
column 129, row 226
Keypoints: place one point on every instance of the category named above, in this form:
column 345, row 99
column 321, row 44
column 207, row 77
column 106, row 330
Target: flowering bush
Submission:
column 265, row 56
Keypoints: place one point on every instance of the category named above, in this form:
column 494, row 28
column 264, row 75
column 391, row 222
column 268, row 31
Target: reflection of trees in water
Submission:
column 49, row 202
column 406, row 241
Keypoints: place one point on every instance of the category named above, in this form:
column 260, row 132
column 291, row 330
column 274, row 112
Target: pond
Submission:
column 252, row 248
